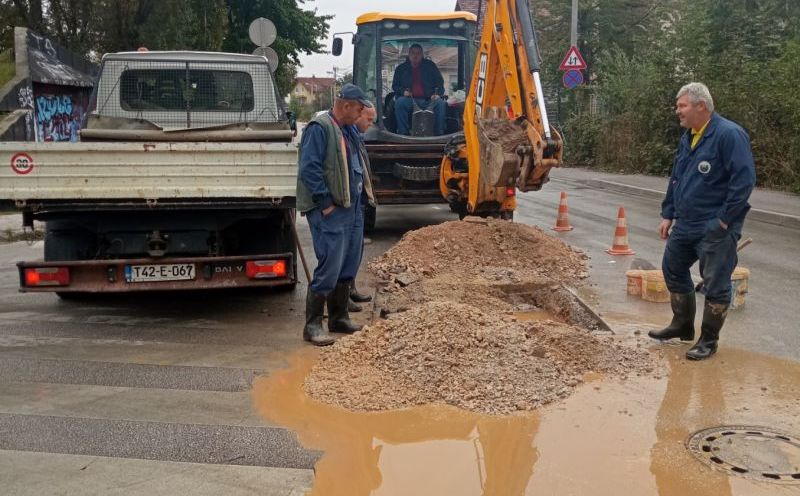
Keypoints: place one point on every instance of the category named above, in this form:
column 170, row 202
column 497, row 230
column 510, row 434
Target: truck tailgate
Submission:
column 146, row 171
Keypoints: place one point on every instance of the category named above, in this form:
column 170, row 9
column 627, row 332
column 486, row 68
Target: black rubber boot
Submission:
column 713, row 317
column 358, row 297
column 682, row 325
column 313, row 331
column 353, row 306
column 338, row 315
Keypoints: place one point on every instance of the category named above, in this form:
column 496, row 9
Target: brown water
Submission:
column 609, row 438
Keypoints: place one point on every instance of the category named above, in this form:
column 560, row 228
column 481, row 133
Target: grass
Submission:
column 8, row 67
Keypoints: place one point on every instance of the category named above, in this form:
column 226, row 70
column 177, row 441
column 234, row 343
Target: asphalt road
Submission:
column 150, row 394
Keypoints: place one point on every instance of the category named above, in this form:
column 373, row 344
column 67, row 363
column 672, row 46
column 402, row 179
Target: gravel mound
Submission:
column 482, row 247
column 453, row 293
column 457, row 354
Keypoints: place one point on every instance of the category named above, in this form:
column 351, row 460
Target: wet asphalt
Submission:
column 151, row 394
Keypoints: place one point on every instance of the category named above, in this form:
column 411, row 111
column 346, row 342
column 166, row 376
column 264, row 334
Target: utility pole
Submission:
column 335, row 73
column 573, row 35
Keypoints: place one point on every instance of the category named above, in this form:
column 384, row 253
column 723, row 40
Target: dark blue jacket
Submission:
column 713, row 180
column 431, row 79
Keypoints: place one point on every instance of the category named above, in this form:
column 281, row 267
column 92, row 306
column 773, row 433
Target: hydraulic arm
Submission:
column 508, row 142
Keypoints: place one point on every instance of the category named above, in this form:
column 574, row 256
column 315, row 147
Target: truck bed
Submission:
column 145, row 172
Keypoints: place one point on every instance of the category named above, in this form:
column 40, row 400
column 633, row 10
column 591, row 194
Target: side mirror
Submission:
column 337, row 47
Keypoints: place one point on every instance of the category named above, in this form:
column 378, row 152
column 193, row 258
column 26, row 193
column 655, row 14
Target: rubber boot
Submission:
column 682, row 325
column 358, row 297
column 338, row 315
column 353, row 306
column 713, row 317
column 313, row 331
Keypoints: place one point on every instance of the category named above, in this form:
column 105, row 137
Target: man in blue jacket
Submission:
column 330, row 193
column 706, row 203
column 418, row 80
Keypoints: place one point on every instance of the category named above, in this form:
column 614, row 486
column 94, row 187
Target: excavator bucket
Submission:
column 499, row 141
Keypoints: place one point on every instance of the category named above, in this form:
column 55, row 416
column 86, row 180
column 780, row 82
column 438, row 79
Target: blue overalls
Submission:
column 709, row 184
column 338, row 237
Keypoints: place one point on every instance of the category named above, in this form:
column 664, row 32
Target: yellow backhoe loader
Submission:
column 496, row 137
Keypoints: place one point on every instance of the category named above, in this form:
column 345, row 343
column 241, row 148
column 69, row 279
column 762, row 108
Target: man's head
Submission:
column 694, row 105
column 366, row 119
column 415, row 54
column 349, row 103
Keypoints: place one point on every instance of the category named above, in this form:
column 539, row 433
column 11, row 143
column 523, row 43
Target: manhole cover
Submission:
column 753, row 452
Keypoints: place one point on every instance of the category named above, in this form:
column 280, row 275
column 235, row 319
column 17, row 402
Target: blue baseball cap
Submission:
column 352, row 92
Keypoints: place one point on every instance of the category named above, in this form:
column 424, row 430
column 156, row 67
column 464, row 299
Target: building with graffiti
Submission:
column 53, row 86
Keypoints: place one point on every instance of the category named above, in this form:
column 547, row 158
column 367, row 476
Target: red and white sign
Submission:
column 573, row 60
column 21, row 163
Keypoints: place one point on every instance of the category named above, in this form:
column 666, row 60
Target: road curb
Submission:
column 761, row 215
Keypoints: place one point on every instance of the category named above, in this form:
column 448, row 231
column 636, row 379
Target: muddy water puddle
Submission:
column 608, row 438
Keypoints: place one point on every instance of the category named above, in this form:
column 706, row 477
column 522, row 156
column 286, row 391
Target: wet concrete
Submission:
column 608, row 438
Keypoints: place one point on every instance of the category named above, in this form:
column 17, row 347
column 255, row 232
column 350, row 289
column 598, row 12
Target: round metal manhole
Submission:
column 753, row 452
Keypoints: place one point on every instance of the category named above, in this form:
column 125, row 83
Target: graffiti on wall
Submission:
column 59, row 112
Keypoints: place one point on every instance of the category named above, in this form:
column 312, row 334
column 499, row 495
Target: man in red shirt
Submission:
column 418, row 80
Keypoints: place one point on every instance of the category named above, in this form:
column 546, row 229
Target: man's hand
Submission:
column 407, row 93
column 328, row 210
column 663, row 228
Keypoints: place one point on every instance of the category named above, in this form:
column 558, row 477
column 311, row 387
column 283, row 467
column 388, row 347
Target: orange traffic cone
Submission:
column 562, row 222
column 620, row 246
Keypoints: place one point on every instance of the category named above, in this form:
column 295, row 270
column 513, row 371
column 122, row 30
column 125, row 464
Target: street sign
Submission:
column 262, row 32
column 270, row 54
column 572, row 79
column 573, row 60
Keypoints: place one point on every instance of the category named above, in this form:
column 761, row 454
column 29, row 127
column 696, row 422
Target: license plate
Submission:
column 156, row 273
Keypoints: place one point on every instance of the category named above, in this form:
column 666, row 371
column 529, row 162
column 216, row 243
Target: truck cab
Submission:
column 405, row 167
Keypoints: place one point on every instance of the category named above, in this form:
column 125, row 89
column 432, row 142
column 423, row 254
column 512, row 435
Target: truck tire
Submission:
column 370, row 217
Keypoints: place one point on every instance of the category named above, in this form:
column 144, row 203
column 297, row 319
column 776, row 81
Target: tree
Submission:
column 300, row 31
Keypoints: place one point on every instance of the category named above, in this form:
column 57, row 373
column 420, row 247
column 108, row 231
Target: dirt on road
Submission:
column 457, row 297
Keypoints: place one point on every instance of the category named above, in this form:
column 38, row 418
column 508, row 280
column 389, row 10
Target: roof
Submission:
column 477, row 7
column 315, row 83
column 191, row 56
column 400, row 16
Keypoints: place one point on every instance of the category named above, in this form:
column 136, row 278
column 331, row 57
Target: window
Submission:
column 180, row 89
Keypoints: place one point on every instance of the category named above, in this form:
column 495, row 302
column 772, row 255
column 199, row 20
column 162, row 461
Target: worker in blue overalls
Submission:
column 702, row 216
column 330, row 193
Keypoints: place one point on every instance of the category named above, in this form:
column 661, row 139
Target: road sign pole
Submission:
column 573, row 36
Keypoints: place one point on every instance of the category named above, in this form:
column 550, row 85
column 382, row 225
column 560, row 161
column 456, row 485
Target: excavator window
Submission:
column 382, row 46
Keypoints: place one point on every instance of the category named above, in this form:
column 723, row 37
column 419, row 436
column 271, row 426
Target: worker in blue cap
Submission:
column 702, row 217
column 331, row 194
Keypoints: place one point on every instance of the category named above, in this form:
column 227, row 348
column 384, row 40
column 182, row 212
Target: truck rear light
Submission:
column 511, row 191
column 266, row 269
column 47, row 276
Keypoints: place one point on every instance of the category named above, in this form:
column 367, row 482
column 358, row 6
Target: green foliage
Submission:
column 301, row 112
column 8, row 68
column 640, row 52
column 300, row 31
column 101, row 26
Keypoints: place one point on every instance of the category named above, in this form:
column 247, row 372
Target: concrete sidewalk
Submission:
column 773, row 207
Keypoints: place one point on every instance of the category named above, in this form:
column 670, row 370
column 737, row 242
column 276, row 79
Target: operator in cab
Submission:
column 418, row 80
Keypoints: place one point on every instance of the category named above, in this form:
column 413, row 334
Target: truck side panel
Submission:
column 146, row 171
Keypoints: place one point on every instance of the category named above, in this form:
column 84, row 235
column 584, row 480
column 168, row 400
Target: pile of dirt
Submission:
column 445, row 352
column 453, row 294
column 488, row 248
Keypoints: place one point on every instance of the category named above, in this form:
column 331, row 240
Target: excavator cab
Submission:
column 383, row 42
column 406, row 158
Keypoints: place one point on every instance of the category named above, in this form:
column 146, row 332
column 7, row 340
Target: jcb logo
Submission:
column 481, row 90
